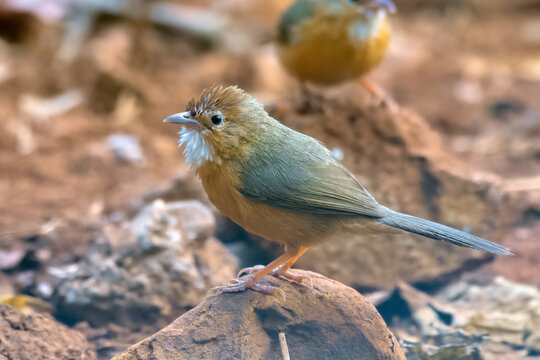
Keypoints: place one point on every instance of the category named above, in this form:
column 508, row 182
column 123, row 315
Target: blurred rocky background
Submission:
column 106, row 236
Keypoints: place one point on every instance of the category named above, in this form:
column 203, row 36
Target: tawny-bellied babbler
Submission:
column 328, row 42
column 283, row 185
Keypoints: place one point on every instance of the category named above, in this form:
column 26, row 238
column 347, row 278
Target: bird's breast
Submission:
column 293, row 228
column 220, row 183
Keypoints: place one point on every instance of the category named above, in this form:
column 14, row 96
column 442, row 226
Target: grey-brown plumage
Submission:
column 307, row 180
column 437, row 231
column 310, row 180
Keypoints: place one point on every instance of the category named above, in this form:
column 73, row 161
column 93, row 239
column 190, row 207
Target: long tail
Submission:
column 439, row 232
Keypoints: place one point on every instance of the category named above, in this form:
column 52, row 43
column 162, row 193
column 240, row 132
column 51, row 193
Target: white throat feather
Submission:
column 197, row 150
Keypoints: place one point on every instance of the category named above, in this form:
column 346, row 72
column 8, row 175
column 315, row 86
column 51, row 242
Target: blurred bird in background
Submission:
column 328, row 42
column 283, row 185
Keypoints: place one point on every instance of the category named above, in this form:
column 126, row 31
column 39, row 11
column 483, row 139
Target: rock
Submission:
column 507, row 311
column 524, row 267
column 46, row 10
column 149, row 272
column 126, row 149
column 409, row 308
column 494, row 318
column 330, row 321
column 25, row 304
column 451, row 345
column 39, row 336
column 426, row 326
column 6, row 284
column 43, row 109
column 18, row 24
column 184, row 186
column 10, row 259
column 401, row 161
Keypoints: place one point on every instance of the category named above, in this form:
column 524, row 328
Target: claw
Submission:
column 285, row 275
column 242, row 285
column 212, row 291
column 296, row 278
column 282, row 293
column 380, row 97
column 249, row 270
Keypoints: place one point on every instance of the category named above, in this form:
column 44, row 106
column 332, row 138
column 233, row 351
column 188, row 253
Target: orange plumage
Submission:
column 328, row 42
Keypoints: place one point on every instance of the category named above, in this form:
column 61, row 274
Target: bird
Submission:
column 283, row 185
column 328, row 42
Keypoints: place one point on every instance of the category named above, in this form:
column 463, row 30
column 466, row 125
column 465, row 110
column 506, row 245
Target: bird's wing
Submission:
column 299, row 11
column 306, row 182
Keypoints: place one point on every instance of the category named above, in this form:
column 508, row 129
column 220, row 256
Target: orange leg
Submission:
column 270, row 267
column 379, row 94
column 278, row 270
column 282, row 270
column 278, row 267
column 293, row 259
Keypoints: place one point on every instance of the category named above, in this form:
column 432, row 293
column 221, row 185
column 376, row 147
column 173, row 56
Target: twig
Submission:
column 284, row 347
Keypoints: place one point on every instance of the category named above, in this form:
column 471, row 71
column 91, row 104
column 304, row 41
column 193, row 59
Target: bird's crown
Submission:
column 217, row 97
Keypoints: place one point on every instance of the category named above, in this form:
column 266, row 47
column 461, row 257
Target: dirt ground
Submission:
column 472, row 71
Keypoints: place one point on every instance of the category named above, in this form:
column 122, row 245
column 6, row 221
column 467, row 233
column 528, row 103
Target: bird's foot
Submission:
column 380, row 97
column 249, row 270
column 283, row 273
column 238, row 285
column 279, row 272
column 310, row 101
column 387, row 102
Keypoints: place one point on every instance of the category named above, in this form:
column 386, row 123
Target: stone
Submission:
column 39, row 336
column 449, row 345
column 149, row 272
column 407, row 307
column 328, row 321
column 476, row 317
column 10, row 259
column 507, row 311
column 126, row 149
column 184, row 186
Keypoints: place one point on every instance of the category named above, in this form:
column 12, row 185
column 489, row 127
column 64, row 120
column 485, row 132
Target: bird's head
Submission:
column 385, row 5
column 366, row 15
column 368, row 5
column 220, row 125
column 343, row 9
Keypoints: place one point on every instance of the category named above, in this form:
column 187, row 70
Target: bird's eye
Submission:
column 217, row 119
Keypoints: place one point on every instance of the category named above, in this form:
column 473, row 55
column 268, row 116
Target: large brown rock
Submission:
column 39, row 336
column 330, row 321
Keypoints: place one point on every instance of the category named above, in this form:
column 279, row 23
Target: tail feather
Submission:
column 440, row 232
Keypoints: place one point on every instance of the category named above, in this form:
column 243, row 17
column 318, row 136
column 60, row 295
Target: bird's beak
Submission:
column 182, row 119
column 387, row 5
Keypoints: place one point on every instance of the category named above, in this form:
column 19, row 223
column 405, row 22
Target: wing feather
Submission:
column 308, row 179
